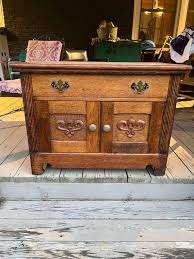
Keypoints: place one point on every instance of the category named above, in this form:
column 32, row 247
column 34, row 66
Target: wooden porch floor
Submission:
column 15, row 161
column 97, row 229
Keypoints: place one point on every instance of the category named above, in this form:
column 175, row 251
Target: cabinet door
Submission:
column 71, row 126
column 131, row 127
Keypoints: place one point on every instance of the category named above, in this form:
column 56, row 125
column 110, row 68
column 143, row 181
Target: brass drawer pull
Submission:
column 60, row 85
column 139, row 87
column 92, row 127
column 106, row 128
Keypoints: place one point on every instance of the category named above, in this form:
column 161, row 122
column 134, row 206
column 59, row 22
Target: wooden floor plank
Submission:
column 50, row 175
column 177, row 169
column 91, row 230
column 138, row 176
column 24, row 173
column 187, row 126
column 93, row 175
column 175, row 166
column 109, row 250
column 12, row 163
column 9, row 123
column 104, row 176
column 144, row 210
column 96, row 191
column 184, row 114
column 115, row 176
column 71, row 175
column 15, row 116
column 8, row 129
column 184, row 154
column 10, row 105
column 4, row 102
column 159, row 179
column 9, row 144
column 3, row 99
column 183, row 137
column 187, row 103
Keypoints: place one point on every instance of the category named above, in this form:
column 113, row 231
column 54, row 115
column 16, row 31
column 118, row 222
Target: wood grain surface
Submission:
column 107, row 109
column 100, row 86
column 93, row 117
column 152, row 67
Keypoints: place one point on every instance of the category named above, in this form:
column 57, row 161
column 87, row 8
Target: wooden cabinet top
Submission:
column 102, row 67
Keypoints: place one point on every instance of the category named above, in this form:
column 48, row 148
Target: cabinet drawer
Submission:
column 101, row 86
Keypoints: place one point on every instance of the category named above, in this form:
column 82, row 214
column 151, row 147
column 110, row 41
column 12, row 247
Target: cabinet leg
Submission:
column 38, row 167
column 160, row 171
column 160, row 166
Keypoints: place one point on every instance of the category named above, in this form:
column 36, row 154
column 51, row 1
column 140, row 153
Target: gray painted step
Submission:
column 95, row 191
column 97, row 250
column 98, row 210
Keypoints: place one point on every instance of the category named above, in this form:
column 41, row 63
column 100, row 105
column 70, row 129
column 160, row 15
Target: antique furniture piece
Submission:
column 99, row 114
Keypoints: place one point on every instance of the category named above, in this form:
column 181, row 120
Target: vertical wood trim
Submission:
column 177, row 18
column 136, row 19
column 93, row 113
column 155, row 126
column 2, row 19
column 43, row 125
column 107, row 109
column 182, row 16
column 168, row 115
column 30, row 113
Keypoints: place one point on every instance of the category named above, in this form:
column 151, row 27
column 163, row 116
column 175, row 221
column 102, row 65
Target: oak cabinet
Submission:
column 99, row 115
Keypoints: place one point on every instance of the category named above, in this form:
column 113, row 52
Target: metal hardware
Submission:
column 139, row 87
column 70, row 126
column 60, row 85
column 130, row 126
column 92, row 127
column 106, row 128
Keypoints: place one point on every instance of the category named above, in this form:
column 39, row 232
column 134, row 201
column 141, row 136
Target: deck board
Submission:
column 103, row 176
column 11, row 143
column 141, row 210
column 138, row 176
column 13, row 162
column 83, row 250
column 94, row 230
column 71, row 175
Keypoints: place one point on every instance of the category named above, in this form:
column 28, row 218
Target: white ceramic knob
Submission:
column 106, row 128
column 92, row 127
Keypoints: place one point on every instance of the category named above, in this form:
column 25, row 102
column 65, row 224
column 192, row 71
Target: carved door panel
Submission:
column 130, row 127
column 74, row 126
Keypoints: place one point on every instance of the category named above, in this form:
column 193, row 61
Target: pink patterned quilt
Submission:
column 43, row 51
column 11, row 86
